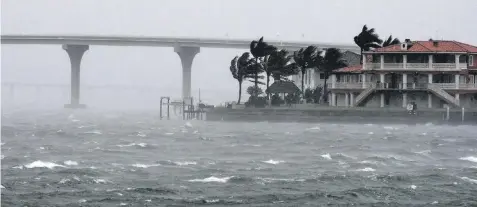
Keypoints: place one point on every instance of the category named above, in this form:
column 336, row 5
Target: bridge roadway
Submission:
column 185, row 47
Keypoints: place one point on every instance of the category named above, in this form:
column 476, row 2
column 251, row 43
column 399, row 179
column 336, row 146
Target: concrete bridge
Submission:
column 186, row 48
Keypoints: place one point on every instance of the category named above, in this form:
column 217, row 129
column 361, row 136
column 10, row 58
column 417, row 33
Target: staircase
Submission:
column 363, row 95
column 443, row 95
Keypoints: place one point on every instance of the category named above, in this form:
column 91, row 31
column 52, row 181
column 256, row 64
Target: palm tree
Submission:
column 304, row 59
column 259, row 50
column 240, row 69
column 332, row 60
column 391, row 41
column 279, row 65
column 366, row 40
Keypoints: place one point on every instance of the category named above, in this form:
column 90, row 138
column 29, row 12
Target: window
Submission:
column 471, row 60
column 322, row 76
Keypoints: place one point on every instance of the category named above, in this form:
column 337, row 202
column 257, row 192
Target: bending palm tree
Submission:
column 240, row 69
column 279, row 65
column 366, row 40
column 304, row 58
column 332, row 60
column 391, row 41
column 259, row 50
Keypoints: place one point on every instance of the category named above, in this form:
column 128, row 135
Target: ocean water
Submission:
column 97, row 158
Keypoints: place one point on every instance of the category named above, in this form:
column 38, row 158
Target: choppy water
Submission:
column 85, row 158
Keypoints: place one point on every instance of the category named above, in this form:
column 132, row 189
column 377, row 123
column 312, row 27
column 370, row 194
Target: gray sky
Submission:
column 322, row 21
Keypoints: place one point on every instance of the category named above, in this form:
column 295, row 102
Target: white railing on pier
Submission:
column 463, row 66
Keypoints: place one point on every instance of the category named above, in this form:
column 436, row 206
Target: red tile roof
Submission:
column 428, row 46
column 349, row 69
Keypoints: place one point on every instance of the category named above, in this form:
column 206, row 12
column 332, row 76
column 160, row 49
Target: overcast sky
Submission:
column 313, row 20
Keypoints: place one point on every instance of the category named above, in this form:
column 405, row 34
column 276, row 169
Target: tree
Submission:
column 240, row 69
column 259, row 50
column 332, row 60
column 366, row 40
column 304, row 58
column 391, row 41
column 279, row 65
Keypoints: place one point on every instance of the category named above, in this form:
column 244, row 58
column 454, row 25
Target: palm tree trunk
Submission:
column 240, row 92
column 325, row 89
column 268, row 84
column 256, row 74
column 303, row 82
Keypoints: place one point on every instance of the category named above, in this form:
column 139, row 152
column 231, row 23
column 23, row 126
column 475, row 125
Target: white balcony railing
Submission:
column 417, row 65
column 372, row 66
column 359, row 85
column 444, row 85
column 444, row 65
column 393, row 65
column 424, row 66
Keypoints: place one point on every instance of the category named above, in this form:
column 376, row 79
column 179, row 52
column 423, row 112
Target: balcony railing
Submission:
column 439, row 66
column 418, row 86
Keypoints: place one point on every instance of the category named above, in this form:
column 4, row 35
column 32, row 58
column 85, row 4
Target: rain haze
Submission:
column 394, row 131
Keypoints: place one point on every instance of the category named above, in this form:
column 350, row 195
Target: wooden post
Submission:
column 168, row 103
column 160, row 109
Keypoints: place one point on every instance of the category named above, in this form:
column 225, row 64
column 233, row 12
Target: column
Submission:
column 382, row 99
column 457, row 98
column 381, row 79
column 404, row 61
column 351, row 102
column 382, row 61
column 364, row 61
column 457, row 77
column 75, row 53
column 347, row 100
column 430, row 77
column 333, row 80
column 457, row 61
column 187, row 55
column 404, row 81
column 431, row 61
column 333, row 99
column 363, row 77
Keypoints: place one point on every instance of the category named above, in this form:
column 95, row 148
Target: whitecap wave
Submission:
column 70, row 162
column 212, row 179
column 138, row 165
column 282, row 179
column 326, row 156
column 273, row 162
column 366, row 169
column 41, row 164
column 97, row 181
column 185, row 163
column 469, row 158
column 313, row 128
column 469, row 180
column 1, row 186
column 133, row 144
column 93, row 132
column 413, row 187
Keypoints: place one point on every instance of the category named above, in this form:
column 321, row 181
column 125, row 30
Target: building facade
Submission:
column 432, row 74
column 314, row 78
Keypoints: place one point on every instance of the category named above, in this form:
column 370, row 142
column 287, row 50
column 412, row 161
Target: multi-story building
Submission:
column 432, row 74
column 314, row 78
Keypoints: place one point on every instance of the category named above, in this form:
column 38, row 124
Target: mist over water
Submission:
column 128, row 157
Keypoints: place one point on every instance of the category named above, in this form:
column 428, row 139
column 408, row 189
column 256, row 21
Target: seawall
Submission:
column 337, row 114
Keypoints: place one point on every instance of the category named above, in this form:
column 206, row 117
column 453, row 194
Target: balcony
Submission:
column 417, row 66
column 401, row 86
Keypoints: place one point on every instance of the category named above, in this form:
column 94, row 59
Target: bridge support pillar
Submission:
column 187, row 55
column 75, row 52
